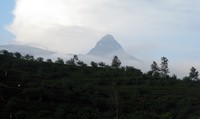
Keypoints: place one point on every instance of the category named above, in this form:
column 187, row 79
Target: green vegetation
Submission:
column 36, row 89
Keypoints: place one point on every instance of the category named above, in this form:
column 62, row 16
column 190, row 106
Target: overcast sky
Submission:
column 147, row 29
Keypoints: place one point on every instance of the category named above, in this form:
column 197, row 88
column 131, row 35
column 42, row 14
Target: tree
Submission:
column 132, row 72
column 81, row 63
column 49, row 61
column 174, row 77
column 116, row 62
column 102, row 64
column 6, row 53
column 29, row 57
column 18, row 55
column 73, row 61
column 164, row 70
column 59, row 61
column 76, row 57
column 40, row 59
column 154, row 68
column 193, row 75
column 94, row 64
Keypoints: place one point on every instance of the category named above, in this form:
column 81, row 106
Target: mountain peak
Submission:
column 106, row 45
column 108, row 37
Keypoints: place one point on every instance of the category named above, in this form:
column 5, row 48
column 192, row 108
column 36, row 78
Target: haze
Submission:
column 147, row 29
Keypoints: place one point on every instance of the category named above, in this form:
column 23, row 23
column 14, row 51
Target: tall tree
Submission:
column 154, row 68
column 116, row 62
column 193, row 75
column 164, row 70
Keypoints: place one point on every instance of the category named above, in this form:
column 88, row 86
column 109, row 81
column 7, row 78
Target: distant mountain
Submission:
column 105, row 49
column 23, row 49
column 108, row 47
column 105, row 46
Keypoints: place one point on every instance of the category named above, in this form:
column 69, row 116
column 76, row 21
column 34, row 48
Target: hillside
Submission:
column 35, row 89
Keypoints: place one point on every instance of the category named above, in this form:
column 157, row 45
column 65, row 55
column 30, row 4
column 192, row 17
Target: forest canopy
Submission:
column 35, row 88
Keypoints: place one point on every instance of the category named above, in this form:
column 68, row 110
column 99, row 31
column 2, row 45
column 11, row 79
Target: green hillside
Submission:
column 35, row 89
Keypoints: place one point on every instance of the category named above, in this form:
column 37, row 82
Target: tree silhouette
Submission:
column 6, row 53
column 40, row 59
column 164, row 70
column 76, row 57
column 102, row 64
column 18, row 55
column 59, row 61
column 81, row 63
column 154, row 68
column 49, row 61
column 116, row 62
column 193, row 75
column 73, row 61
column 94, row 65
column 29, row 57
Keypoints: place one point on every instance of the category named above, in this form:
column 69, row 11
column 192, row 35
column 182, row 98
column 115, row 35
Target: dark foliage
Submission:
column 35, row 89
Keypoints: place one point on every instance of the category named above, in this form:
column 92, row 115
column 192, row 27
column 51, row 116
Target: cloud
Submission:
column 147, row 29
column 54, row 22
column 128, row 17
column 57, row 25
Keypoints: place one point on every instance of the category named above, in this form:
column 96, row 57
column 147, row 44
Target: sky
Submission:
column 6, row 8
column 147, row 29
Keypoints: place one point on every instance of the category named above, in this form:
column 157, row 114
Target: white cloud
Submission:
column 148, row 29
column 65, row 23
column 53, row 22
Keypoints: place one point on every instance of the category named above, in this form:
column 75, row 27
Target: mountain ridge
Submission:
column 24, row 49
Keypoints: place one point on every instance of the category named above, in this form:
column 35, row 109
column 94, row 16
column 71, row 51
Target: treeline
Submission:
column 31, row 88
